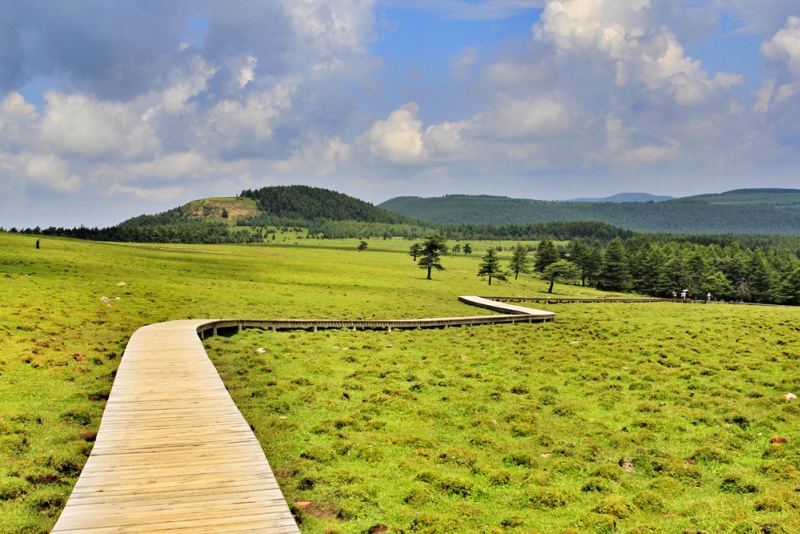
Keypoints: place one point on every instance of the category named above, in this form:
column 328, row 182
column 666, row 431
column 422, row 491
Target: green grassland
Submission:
column 627, row 418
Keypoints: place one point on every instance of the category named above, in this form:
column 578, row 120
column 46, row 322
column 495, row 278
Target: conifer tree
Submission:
column 519, row 261
column 432, row 249
column 490, row 266
column 546, row 253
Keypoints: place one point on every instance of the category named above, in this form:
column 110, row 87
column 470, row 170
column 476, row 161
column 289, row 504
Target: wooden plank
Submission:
column 173, row 453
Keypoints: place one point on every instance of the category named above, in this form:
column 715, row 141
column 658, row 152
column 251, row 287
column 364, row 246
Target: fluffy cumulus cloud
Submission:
column 189, row 91
column 191, row 97
column 398, row 139
column 625, row 35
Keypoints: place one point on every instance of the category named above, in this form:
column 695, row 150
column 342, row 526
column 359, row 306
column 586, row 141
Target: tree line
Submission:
column 646, row 265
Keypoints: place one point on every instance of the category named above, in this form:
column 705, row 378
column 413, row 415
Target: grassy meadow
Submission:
column 615, row 418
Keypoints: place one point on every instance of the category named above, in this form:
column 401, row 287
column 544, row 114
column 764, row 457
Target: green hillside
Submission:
column 314, row 203
column 788, row 199
column 748, row 212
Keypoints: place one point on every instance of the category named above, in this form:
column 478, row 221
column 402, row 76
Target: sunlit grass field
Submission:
column 615, row 418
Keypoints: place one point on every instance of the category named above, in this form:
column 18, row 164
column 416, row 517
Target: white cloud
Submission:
column 447, row 138
column 186, row 84
column 14, row 105
column 398, row 139
column 506, row 73
column 234, row 124
column 161, row 194
column 79, row 124
column 517, row 119
column 469, row 10
column 51, row 172
column 462, row 65
column 785, row 46
column 247, row 72
column 627, row 34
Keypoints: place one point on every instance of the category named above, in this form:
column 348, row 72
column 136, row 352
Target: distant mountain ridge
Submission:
column 625, row 197
column 747, row 211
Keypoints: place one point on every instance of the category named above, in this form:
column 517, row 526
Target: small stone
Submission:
column 779, row 439
column 627, row 465
column 574, row 342
column 106, row 300
column 789, row 396
column 545, row 455
column 303, row 505
column 463, row 357
column 261, row 350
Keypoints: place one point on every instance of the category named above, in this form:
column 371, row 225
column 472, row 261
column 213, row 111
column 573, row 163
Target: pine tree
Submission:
column 561, row 269
column 614, row 272
column 490, row 266
column 519, row 261
column 546, row 253
column 432, row 249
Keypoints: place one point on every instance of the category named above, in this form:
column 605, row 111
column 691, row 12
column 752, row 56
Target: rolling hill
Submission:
column 751, row 211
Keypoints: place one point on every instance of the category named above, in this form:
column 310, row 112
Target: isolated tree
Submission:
column 519, row 261
column 490, row 266
column 563, row 269
column 456, row 250
column 546, row 253
column 362, row 246
column 415, row 251
column 432, row 249
column 467, row 250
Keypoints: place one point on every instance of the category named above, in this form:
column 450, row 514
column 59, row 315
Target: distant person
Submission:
column 708, row 297
column 675, row 295
column 684, row 293
column 37, row 243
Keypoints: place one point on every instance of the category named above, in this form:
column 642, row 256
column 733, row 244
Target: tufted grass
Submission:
column 518, row 428
column 624, row 418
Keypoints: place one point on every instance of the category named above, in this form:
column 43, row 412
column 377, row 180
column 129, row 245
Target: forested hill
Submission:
column 314, row 203
column 753, row 212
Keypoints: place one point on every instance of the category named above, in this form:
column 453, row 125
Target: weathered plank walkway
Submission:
column 174, row 454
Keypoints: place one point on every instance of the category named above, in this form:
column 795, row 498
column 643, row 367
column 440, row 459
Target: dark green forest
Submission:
column 663, row 265
column 747, row 211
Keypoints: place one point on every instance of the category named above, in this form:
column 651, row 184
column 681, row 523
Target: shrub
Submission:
column 734, row 483
column 547, row 499
column 614, row 506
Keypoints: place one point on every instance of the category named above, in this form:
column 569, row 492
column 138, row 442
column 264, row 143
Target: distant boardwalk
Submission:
column 173, row 452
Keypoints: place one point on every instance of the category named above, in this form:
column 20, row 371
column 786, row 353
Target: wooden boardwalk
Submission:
column 174, row 454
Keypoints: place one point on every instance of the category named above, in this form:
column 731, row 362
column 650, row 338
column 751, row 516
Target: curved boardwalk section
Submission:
column 173, row 452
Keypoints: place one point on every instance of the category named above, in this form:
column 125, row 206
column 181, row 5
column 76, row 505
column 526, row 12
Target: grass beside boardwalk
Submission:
column 650, row 417
column 616, row 418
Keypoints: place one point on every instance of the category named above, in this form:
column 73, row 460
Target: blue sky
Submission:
column 110, row 110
